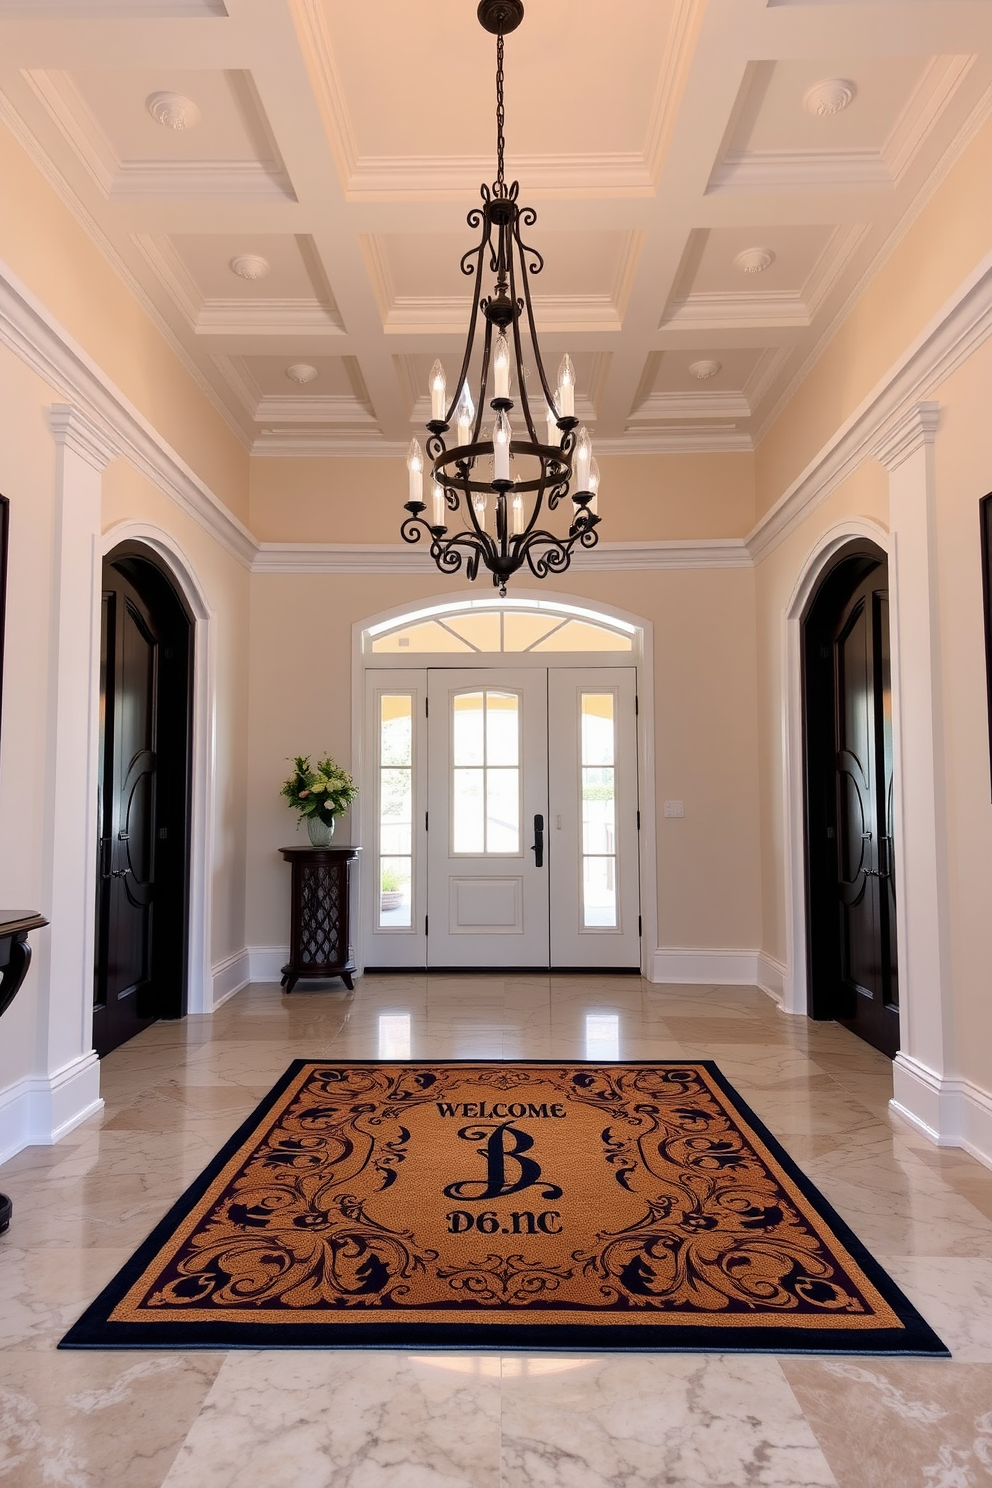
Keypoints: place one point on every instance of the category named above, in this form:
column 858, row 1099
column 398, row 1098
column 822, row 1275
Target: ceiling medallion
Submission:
column 704, row 370
column 302, row 372
column 754, row 260
column 480, row 510
column 831, row 96
column 250, row 266
column 173, row 111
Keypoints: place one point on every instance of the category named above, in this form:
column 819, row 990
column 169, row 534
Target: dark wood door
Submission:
column 853, row 964
column 140, row 917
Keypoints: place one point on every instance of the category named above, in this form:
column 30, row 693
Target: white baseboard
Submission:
column 771, row 977
column 949, row 1112
column 39, row 1110
column 267, row 962
column 228, row 977
column 731, row 968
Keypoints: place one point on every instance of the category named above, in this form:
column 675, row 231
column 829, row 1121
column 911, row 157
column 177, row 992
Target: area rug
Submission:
column 539, row 1205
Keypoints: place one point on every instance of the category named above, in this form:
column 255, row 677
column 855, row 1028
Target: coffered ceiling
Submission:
column 285, row 183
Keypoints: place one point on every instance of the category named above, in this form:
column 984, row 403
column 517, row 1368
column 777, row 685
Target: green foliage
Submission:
column 391, row 879
column 324, row 792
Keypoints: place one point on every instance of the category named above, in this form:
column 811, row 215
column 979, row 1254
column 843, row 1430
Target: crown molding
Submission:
column 858, row 169
column 74, row 431
column 896, row 417
column 729, row 310
column 391, row 558
column 917, row 427
column 102, row 418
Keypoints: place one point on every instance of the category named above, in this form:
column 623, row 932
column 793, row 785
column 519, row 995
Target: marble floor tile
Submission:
column 337, row 1420
column 642, row 1420
column 95, row 1420
column 900, row 1423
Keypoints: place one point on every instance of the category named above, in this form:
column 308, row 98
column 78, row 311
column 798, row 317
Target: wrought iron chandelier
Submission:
column 501, row 517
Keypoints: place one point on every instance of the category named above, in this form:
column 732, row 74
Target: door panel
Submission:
column 487, row 787
column 127, row 819
column 394, row 875
column 849, row 795
column 592, row 830
column 143, row 802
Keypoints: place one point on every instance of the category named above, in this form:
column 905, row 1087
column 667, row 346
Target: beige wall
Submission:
column 49, row 251
column 705, row 728
column 963, row 466
column 27, row 478
column 641, row 497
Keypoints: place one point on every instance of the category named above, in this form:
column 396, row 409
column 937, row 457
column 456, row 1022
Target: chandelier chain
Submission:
column 500, row 118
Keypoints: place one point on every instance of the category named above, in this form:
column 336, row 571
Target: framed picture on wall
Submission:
column 985, row 510
column 4, row 525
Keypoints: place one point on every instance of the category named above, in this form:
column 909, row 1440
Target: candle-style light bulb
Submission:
column 464, row 416
column 439, row 386
column 554, row 433
column 438, row 504
column 582, row 460
column 501, row 448
column 566, row 387
column 517, row 515
column 501, row 367
column 594, row 486
column 415, row 465
column 479, row 507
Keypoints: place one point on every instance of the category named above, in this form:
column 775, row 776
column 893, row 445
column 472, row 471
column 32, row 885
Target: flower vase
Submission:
column 320, row 831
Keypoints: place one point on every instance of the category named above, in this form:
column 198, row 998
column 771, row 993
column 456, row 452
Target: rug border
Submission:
column 93, row 1330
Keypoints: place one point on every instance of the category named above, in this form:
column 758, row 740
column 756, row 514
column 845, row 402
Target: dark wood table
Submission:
column 320, row 943
column 15, row 958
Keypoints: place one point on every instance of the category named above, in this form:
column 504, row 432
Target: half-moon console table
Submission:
column 319, row 927
column 15, row 958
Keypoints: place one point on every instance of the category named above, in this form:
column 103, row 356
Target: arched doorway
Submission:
column 505, row 786
column 849, row 798
column 143, row 808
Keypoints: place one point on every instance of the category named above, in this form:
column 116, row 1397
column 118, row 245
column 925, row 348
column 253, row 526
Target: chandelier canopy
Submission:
column 478, row 512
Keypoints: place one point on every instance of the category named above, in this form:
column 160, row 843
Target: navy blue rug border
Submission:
column 94, row 1330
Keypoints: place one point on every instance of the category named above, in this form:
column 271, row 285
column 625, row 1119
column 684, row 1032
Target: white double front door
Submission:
column 505, row 818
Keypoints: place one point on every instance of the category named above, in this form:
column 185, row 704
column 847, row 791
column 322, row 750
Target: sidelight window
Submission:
column 395, row 875
column 598, row 730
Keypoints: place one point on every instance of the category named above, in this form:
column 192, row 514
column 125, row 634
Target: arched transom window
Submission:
column 507, row 626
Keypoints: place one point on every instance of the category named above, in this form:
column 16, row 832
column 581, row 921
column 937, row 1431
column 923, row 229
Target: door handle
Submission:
column 538, row 845
column 120, row 873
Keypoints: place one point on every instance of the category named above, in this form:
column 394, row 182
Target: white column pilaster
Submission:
column 70, row 1065
column 920, row 829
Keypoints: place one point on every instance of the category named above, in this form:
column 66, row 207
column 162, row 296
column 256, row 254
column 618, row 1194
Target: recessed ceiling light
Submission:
column 173, row 110
column 301, row 372
column 754, row 260
column 250, row 266
column 704, row 370
column 829, row 96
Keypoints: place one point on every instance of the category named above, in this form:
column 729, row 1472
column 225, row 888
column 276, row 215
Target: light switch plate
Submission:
column 675, row 808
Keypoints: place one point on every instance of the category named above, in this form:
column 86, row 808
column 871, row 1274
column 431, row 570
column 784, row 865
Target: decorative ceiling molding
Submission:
column 856, row 168
column 693, row 403
column 80, row 434
column 728, row 310
column 453, row 177
column 28, row 329
column 233, row 316
column 916, row 428
column 119, row 179
column 392, row 558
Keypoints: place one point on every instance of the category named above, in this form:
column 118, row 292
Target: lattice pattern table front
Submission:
column 319, row 932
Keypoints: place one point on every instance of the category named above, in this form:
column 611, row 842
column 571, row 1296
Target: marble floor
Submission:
column 392, row 1420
